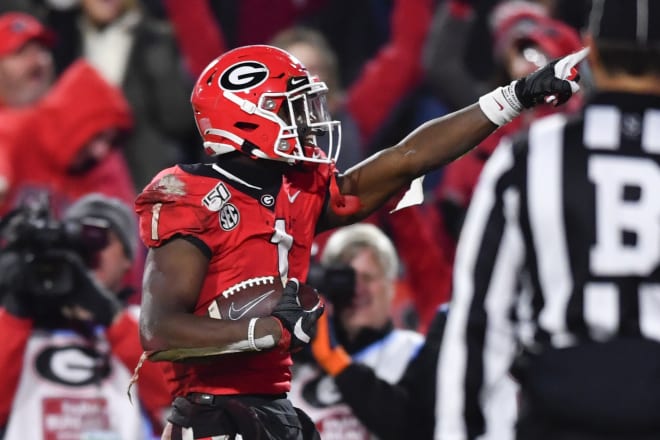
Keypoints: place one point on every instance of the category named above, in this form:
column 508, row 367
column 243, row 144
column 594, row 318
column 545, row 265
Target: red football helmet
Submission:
column 262, row 101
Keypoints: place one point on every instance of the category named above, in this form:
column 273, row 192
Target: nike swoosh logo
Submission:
column 500, row 106
column 296, row 81
column 246, row 307
column 299, row 333
column 292, row 198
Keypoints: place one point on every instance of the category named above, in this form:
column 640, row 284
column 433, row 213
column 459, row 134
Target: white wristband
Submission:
column 501, row 105
column 251, row 343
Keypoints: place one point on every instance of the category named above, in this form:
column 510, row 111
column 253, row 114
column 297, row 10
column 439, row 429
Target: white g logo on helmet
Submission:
column 242, row 76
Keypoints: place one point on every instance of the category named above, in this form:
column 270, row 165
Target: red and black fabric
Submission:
column 233, row 223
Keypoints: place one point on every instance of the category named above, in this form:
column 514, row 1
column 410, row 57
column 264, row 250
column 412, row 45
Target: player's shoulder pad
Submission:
column 171, row 204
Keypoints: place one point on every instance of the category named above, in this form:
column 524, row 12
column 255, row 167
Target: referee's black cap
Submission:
column 634, row 22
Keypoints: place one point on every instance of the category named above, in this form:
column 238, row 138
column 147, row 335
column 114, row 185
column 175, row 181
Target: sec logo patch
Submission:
column 229, row 217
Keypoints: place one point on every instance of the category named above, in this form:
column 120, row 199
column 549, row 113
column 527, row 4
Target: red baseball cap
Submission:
column 554, row 37
column 17, row 28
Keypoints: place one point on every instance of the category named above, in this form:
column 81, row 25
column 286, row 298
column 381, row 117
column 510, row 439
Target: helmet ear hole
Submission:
column 246, row 126
column 209, row 80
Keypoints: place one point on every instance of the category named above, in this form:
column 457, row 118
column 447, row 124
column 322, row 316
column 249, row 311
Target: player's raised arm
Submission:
column 444, row 139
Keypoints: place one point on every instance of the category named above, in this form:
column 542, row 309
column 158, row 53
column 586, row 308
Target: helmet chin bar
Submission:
column 298, row 153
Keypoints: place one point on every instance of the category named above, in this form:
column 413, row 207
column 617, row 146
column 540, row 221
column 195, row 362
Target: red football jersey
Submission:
column 257, row 226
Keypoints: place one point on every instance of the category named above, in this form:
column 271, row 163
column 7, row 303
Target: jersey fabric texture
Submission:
column 250, row 223
column 557, row 280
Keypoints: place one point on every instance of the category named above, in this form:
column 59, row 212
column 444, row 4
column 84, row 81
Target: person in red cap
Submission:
column 27, row 71
column 71, row 149
column 26, row 63
column 52, row 136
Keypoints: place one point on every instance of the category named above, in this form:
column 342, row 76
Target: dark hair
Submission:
column 628, row 58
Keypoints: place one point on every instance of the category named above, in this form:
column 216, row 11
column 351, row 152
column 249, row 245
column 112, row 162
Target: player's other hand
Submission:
column 298, row 324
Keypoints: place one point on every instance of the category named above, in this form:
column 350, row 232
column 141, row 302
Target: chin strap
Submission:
column 341, row 204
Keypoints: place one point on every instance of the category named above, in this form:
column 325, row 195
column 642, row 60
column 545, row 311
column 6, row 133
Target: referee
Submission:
column 557, row 273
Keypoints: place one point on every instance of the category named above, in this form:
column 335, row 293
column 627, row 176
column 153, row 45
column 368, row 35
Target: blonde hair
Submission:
column 345, row 243
column 303, row 35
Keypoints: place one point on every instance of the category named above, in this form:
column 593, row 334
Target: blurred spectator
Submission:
column 405, row 409
column 67, row 144
column 312, row 49
column 68, row 355
column 363, row 326
column 46, row 141
column 138, row 54
column 26, row 63
column 524, row 38
column 197, row 33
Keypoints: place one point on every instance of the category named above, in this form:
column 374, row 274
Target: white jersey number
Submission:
column 616, row 215
column 284, row 242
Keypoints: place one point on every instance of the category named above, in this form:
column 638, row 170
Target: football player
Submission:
column 254, row 212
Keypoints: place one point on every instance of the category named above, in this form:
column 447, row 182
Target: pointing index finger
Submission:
column 563, row 66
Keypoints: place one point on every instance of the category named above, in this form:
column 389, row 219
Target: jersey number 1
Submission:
column 284, row 242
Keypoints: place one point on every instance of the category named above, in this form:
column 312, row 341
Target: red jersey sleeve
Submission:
column 166, row 208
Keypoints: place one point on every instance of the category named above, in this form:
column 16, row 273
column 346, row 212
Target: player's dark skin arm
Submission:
column 174, row 274
column 175, row 271
column 431, row 145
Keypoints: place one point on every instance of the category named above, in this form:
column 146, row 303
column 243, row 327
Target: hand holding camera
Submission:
column 89, row 301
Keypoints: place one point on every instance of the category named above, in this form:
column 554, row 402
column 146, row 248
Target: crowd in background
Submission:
column 431, row 57
column 107, row 105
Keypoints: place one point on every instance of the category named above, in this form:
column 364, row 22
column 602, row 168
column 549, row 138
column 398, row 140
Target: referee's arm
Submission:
column 478, row 345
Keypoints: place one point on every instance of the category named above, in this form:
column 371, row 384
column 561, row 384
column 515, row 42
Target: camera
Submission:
column 33, row 244
column 336, row 282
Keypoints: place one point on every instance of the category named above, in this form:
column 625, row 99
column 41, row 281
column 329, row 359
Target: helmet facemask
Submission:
column 307, row 131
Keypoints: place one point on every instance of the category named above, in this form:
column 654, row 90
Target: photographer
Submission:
column 359, row 269
column 69, row 344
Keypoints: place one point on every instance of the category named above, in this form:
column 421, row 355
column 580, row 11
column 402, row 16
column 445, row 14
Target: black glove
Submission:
column 300, row 323
column 553, row 83
column 88, row 300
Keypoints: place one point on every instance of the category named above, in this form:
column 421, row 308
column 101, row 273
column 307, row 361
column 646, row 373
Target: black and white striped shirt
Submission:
column 560, row 249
